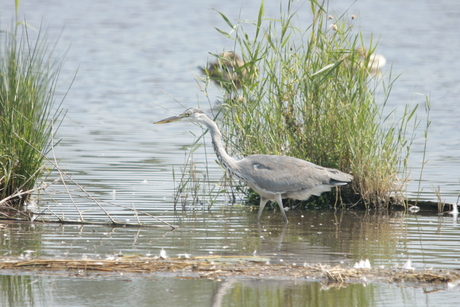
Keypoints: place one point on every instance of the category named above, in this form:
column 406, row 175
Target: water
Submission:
column 316, row 237
column 157, row 291
column 137, row 63
column 313, row 237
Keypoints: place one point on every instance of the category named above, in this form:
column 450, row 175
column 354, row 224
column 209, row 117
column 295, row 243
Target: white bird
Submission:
column 163, row 254
column 375, row 63
column 272, row 177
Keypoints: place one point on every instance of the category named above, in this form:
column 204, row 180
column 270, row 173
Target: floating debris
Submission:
column 218, row 267
column 163, row 254
column 408, row 265
column 454, row 211
column 362, row 264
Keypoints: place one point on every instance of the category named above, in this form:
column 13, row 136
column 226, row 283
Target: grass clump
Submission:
column 312, row 95
column 28, row 79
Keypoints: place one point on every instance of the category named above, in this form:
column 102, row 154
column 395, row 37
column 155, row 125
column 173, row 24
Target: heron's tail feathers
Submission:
column 338, row 177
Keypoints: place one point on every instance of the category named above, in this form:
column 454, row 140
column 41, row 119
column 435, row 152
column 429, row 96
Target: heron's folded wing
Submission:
column 282, row 174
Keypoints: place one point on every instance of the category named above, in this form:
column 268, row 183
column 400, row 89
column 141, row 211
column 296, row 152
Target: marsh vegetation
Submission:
column 313, row 93
column 29, row 114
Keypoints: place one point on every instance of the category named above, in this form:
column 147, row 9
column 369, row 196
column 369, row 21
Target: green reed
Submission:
column 28, row 77
column 309, row 94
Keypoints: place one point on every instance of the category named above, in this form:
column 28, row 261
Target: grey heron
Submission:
column 272, row 177
column 227, row 69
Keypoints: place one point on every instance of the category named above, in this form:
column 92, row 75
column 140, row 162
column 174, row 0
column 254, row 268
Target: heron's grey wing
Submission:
column 282, row 174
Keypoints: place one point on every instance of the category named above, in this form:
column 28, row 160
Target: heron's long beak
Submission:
column 168, row 120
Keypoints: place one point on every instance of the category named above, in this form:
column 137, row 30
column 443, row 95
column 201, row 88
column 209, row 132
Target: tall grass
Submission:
column 312, row 96
column 28, row 77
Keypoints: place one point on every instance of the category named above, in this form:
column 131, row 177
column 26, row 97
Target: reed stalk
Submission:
column 309, row 93
column 28, row 113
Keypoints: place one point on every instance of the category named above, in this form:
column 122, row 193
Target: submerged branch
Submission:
column 28, row 192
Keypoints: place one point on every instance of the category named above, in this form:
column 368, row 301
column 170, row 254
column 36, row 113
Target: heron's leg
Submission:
column 263, row 202
column 279, row 200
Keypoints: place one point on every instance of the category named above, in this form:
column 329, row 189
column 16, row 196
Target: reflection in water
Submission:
column 22, row 290
column 119, row 290
column 20, row 239
column 300, row 293
column 223, row 289
column 312, row 237
column 109, row 144
column 334, row 237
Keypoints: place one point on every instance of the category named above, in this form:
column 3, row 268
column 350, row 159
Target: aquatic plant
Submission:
column 28, row 113
column 193, row 188
column 314, row 96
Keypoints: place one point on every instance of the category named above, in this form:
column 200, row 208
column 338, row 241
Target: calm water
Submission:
column 137, row 63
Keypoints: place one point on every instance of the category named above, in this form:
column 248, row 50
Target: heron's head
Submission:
column 189, row 115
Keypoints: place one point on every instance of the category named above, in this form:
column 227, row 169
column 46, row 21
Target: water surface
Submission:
column 137, row 63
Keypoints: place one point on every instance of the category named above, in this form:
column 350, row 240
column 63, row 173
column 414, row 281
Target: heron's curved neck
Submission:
column 227, row 161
